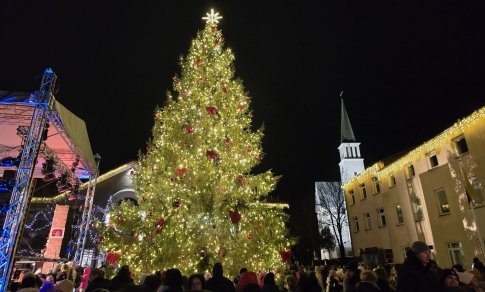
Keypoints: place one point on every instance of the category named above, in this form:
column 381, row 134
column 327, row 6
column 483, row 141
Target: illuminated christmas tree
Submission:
column 198, row 202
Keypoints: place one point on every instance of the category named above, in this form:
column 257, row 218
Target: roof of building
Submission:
column 346, row 133
column 398, row 160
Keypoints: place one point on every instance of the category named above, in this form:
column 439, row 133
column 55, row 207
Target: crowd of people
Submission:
column 418, row 273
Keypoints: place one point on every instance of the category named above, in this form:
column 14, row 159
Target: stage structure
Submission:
column 41, row 139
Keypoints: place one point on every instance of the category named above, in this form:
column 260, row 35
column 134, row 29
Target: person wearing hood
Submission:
column 84, row 279
column 419, row 271
column 219, row 283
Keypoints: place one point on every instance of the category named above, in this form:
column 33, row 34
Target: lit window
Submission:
column 455, row 250
column 377, row 187
column 410, row 171
column 356, row 224
column 352, row 197
column 392, row 180
column 460, row 145
column 363, row 192
column 418, row 209
column 400, row 219
column 382, row 217
column 443, row 201
column 432, row 159
column 368, row 221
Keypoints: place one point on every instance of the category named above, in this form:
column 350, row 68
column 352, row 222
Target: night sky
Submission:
column 408, row 71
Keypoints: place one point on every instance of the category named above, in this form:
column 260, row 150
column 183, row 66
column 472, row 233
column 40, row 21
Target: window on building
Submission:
column 405, row 251
column 460, row 145
column 477, row 186
column 381, row 217
column 363, row 192
column 410, row 171
column 356, row 224
column 400, row 219
column 392, row 180
column 432, row 159
column 443, row 202
column 418, row 209
column 368, row 221
column 352, row 197
column 455, row 250
column 377, row 186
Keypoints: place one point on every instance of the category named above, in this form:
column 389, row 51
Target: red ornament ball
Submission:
column 180, row 172
column 211, row 110
column 99, row 239
column 176, row 204
column 121, row 218
column 250, row 236
column 222, row 253
column 235, row 217
column 211, row 154
column 189, row 129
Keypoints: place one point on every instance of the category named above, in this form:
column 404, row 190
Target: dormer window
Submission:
column 460, row 145
column 377, row 186
column 363, row 192
column 432, row 159
column 392, row 180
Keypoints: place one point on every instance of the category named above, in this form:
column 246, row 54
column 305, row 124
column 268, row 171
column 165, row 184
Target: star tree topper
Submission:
column 212, row 17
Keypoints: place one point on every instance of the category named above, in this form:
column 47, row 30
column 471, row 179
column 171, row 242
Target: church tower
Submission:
column 351, row 161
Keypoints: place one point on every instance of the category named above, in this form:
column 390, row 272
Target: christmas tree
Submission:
column 198, row 202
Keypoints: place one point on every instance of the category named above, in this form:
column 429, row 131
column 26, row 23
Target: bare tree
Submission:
column 331, row 202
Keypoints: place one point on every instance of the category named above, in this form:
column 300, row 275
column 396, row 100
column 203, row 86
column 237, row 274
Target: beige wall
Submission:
column 435, row 228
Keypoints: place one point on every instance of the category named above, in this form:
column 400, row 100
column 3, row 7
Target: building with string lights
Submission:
column 432, row 193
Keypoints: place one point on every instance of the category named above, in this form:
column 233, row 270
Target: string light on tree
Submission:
column 201, row 201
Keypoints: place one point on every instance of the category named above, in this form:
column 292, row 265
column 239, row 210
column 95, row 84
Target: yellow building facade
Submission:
column 420, row 195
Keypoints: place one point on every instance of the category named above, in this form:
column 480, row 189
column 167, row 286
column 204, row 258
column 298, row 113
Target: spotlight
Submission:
column 48, row 167
column 45, row 132
column 63, row 183
column 49, row 177
column 10, row 161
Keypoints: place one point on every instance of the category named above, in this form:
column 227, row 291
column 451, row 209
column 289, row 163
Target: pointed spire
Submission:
column 346, row 133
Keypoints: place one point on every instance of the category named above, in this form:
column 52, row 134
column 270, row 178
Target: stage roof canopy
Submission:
column 67, row 134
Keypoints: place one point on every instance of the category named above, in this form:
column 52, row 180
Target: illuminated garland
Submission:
column 101, row 178
column 378, row 169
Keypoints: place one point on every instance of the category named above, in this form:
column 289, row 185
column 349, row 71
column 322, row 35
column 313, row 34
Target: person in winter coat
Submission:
column 219, row 283
column 368, row 282
column 84, row 279
column 97, row 280
column 419, row 272
column 122, row 278
column 246, row 279
column 269, row 283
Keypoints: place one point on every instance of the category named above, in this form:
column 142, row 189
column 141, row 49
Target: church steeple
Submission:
column 351, row 162
column 346, row 133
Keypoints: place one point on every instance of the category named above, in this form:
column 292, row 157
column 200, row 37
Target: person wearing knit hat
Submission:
column 418, row 273
column 449, row 278
column 422, row 251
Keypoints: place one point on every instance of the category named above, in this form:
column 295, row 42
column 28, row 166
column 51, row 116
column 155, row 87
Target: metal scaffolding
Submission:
column 87, row 211
column 22, row 191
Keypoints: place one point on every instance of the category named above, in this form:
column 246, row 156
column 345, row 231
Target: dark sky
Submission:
column 408, row 71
